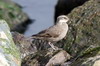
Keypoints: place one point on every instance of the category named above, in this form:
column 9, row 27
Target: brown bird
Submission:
column 54, row 33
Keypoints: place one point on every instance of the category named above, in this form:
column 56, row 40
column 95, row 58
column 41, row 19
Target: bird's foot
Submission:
column 56, row 48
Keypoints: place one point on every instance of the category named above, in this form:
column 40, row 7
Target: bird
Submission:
column 54, row 33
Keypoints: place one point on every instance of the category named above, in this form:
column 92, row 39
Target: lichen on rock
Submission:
column 9, row 54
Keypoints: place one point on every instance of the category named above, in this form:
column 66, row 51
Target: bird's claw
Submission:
column 56, row 48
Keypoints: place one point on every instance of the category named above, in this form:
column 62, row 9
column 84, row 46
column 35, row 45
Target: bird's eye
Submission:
column 65, row 18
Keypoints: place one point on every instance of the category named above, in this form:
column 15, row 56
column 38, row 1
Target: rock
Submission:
column 83, row 38
column 31, row 62
column 46, row 58
column 84, row 61
column 84, row 29
column 15, row 17
column 97, row 63
column 24, row 44
column 59, row 58
column 9, row 54
column 64, row 7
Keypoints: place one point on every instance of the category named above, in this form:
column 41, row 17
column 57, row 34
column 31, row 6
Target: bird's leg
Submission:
column 52, row 46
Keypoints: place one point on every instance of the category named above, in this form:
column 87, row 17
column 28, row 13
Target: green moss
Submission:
column 12, row 13
column 7, row 45
column 84, row 27
column 90, row 52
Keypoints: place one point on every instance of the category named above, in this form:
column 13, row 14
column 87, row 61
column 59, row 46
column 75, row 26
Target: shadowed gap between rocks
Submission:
column 23, row 26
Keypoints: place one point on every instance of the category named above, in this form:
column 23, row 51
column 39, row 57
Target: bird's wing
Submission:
column 51, row 32
column 42, row 34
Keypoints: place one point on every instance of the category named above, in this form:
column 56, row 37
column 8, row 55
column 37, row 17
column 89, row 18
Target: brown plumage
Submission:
column 55, row 32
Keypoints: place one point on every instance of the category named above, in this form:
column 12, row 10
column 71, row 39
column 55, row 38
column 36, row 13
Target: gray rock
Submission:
column 13, row 14
column 59, row 58
column 9, row 54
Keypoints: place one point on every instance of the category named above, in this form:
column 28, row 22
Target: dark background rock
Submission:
column 63, row 7
column 15, row 17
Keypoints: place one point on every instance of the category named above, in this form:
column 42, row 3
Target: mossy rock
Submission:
column 84, row 28
column 12, row 13
column 83, row 38
column 9, row 54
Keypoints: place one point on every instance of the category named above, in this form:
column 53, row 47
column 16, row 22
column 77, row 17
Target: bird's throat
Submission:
column 61, row 23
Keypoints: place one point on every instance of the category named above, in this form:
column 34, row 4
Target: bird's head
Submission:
column 62, row 19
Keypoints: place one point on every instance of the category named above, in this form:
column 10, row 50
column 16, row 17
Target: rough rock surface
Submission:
column 9, row 54
column 83, row 38
column 24, row 44
column 46, row 58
